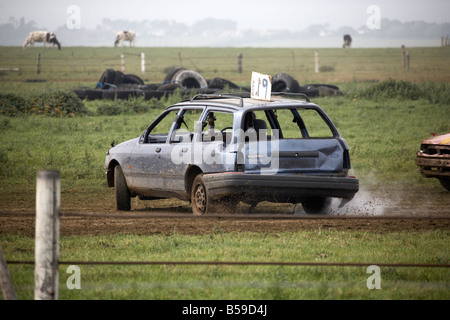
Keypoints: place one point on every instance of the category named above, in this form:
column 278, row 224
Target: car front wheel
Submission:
column 201, row 204
column 123, row 196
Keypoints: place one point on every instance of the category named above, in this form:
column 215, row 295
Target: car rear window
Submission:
column 293, row 123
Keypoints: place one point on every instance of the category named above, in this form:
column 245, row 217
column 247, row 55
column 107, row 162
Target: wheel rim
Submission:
column 200, row 198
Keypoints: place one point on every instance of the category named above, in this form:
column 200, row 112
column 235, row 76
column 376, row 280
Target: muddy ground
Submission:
column 387, row 211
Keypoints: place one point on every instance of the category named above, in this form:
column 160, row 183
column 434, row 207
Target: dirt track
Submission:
column 379, row 212
column 146, row 224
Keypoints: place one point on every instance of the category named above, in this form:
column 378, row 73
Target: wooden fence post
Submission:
column 46, row 276
column 38, row 67
column 5, row 279
column 143, row 62
column 293, row 59
column 316, row 61
column 122, row 62
column 403, row 57
column 240, row 56
column 73, row 62
column 407, row 60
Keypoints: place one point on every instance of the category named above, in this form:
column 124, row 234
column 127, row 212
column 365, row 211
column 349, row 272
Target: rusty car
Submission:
column 433, row 158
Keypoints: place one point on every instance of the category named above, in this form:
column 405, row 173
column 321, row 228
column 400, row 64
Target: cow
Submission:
column 347, row 41
column 41, row 36
column 125, row 36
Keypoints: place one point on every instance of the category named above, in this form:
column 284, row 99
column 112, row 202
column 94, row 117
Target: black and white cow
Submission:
column 347, row 41
column 41, row 36
column 125, row 36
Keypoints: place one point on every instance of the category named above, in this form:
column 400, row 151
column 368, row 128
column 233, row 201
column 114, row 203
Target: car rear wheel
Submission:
column 201, row 204
column 123, row 196
column 445, row 183
column 317, row 205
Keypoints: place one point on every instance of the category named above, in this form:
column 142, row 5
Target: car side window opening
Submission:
column 294, row 123
column 185, row 124
column 160, row 130
column 217, row 125
column 257, row 123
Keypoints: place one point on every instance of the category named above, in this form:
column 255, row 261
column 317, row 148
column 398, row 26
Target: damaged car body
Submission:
column 225, row 149
column 433, row 158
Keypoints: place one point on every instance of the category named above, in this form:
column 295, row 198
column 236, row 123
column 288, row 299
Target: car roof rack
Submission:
column 241, row 96
column 292, row 94
column 218, row 96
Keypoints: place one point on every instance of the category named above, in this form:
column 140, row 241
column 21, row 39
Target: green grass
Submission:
column 244, row 282
column 383, row 133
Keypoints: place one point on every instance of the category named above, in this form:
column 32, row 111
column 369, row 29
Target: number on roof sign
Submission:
column 261, row 86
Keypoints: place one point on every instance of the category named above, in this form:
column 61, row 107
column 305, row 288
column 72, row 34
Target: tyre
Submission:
column 330, row 86
column 171, row 73
column 108, row 76
column 283, row 82
column 123, row 196
column 219, row 83
column 310, row 91
column 121, row 94
column 93, row 94
column 445, row 183
column 317, row 205
column 189, row 79
column 119, row 78
column 133, row 79
column 201, row 203
column 170, row 87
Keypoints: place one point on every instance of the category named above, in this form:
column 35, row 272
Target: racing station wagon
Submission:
column 223, row 149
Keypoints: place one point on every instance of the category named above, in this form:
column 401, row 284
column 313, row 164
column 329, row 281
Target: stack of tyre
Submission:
column 284, row 82
column 118, row 85
column 113, row 84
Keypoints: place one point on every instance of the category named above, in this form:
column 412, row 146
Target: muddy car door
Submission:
column 146, row 158
column 177, row 154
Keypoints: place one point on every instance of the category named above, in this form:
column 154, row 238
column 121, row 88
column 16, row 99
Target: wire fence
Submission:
column 245, row 263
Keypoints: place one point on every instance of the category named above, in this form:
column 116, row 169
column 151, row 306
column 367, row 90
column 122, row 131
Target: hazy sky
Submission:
column 249, row 14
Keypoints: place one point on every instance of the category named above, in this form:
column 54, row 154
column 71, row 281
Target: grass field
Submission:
column 383, row 133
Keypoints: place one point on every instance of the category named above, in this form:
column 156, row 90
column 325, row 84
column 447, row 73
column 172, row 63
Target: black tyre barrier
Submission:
column 150, row 94
column 330, row 86
column 220, row 83
column 121, row 94
column 93, row 94
column 283, row 82
column 328, row 91
column 309, row 91
column 169, row 87
column 189, row 79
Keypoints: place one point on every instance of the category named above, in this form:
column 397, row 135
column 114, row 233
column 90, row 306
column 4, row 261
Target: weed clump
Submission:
column 406, row 90
column 54, row 104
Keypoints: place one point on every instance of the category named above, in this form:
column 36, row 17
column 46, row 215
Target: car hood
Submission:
column 443, row 139
column 125, row 146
